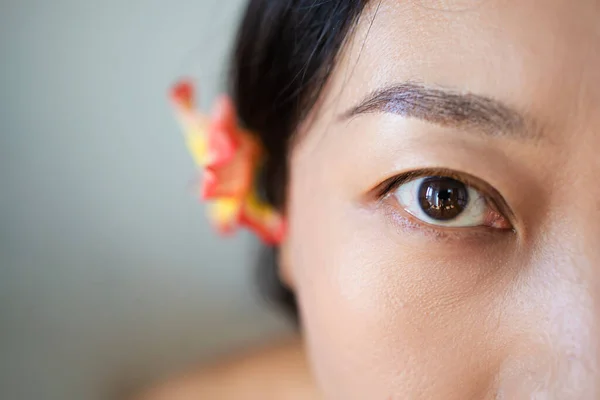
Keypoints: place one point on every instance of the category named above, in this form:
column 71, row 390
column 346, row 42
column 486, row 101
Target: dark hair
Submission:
column 284, row 54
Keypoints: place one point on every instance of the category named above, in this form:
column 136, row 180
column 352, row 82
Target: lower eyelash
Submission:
column 408, row 223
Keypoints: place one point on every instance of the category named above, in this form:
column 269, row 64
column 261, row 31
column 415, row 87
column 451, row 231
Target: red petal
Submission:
column 209, row 185
column 183, row 93
column 227, row 181
column 222, row 146
column 270, row 230
column 223, row 133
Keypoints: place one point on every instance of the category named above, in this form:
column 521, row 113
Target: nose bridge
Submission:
column 572, row 243
column 563, row 278
column 571, row 311
column 574, row 228
column 586, row 224
column 581, row 207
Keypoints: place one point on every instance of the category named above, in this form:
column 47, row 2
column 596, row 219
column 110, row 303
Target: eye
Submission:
column 448, row 202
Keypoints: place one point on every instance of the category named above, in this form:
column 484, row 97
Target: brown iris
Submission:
column 443, row 198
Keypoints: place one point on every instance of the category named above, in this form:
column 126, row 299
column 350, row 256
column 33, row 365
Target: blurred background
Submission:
column 110, row 276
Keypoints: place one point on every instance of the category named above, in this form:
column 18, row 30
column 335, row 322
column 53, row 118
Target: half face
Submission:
column 444, row 204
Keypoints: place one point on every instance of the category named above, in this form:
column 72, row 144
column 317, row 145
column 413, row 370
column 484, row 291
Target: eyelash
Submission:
column 494, row 199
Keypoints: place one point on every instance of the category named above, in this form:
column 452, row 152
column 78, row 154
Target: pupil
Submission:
column 443, row 198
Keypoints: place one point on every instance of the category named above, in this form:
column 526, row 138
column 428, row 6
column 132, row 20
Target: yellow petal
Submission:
column 198, row 147
column 225, row 211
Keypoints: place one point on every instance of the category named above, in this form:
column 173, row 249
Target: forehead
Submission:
column 541, row 56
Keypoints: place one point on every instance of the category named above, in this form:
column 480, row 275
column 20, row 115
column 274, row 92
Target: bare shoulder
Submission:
column 276, row 372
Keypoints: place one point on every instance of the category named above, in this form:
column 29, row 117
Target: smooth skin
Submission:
column 396, row 308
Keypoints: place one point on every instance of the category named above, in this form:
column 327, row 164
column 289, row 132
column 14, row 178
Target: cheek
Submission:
column 383, row 315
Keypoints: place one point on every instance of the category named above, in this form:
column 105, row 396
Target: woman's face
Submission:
column 444, row 204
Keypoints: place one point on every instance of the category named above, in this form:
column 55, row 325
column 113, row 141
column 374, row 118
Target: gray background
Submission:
column 109, row 273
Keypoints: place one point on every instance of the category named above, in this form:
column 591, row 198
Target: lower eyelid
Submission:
column 404, row 223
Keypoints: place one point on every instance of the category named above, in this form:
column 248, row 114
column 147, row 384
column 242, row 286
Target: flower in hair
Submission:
column 230, row 159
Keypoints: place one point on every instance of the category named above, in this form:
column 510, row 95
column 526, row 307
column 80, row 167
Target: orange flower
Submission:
column 230, row 158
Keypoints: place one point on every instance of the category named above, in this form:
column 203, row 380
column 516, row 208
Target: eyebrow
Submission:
column 444, row 107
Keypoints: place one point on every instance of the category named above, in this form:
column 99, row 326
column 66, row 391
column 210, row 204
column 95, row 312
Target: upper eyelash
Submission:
column 394, row 182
